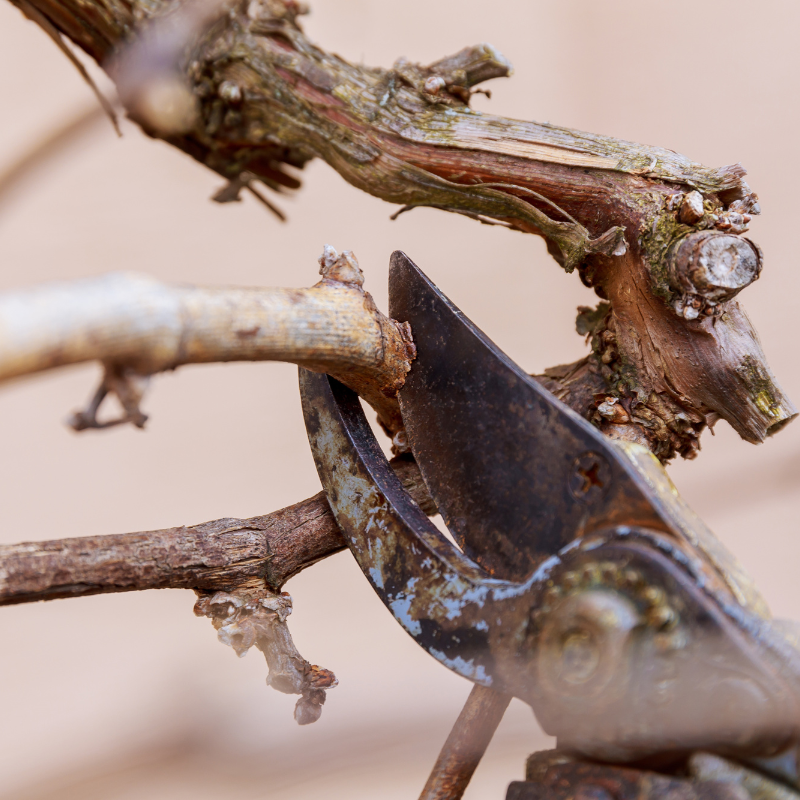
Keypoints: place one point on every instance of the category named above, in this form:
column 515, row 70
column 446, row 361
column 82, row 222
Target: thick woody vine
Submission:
column 659, row 237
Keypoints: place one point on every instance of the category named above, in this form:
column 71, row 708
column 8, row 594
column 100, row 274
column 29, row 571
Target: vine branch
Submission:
column 219, row 556
column 658, row 236
column 137, row 327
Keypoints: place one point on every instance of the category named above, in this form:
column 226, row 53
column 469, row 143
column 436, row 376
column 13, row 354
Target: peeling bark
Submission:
column 657, row 235
column 244, row 618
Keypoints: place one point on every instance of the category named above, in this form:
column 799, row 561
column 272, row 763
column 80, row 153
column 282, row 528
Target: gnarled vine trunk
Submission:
column 658, row 236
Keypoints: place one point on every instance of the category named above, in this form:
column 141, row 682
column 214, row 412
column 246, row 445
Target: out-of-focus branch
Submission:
column 53, row 144
column 53, row 32
column 137, row 327
column 466, row 744
column 218, row 556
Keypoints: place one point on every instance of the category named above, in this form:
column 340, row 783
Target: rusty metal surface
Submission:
column 634, row 657
column 758, row 783
column 615, row 642
column 515, row 473
column 556, row 776
column 437, row 594
column 586, row 587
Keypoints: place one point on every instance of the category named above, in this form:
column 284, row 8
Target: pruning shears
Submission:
column 581, row 583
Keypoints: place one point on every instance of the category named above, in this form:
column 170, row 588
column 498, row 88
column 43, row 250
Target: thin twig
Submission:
column 44, row 23
column 49, row 147
column 260, row 197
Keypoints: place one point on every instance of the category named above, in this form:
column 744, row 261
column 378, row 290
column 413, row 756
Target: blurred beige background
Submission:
column 130, row 696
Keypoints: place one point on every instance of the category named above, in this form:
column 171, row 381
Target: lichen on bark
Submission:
column 652, row 232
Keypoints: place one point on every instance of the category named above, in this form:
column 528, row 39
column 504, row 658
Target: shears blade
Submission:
column 516, row 474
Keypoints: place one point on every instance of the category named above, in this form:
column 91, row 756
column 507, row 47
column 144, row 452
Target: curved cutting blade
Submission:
column 465, row 619
column 515, row 473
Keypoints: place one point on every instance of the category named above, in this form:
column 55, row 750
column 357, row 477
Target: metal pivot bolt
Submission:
column 584, row 642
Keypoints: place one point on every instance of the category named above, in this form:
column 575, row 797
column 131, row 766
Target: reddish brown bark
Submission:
column 671, row 353
column 215, row 556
